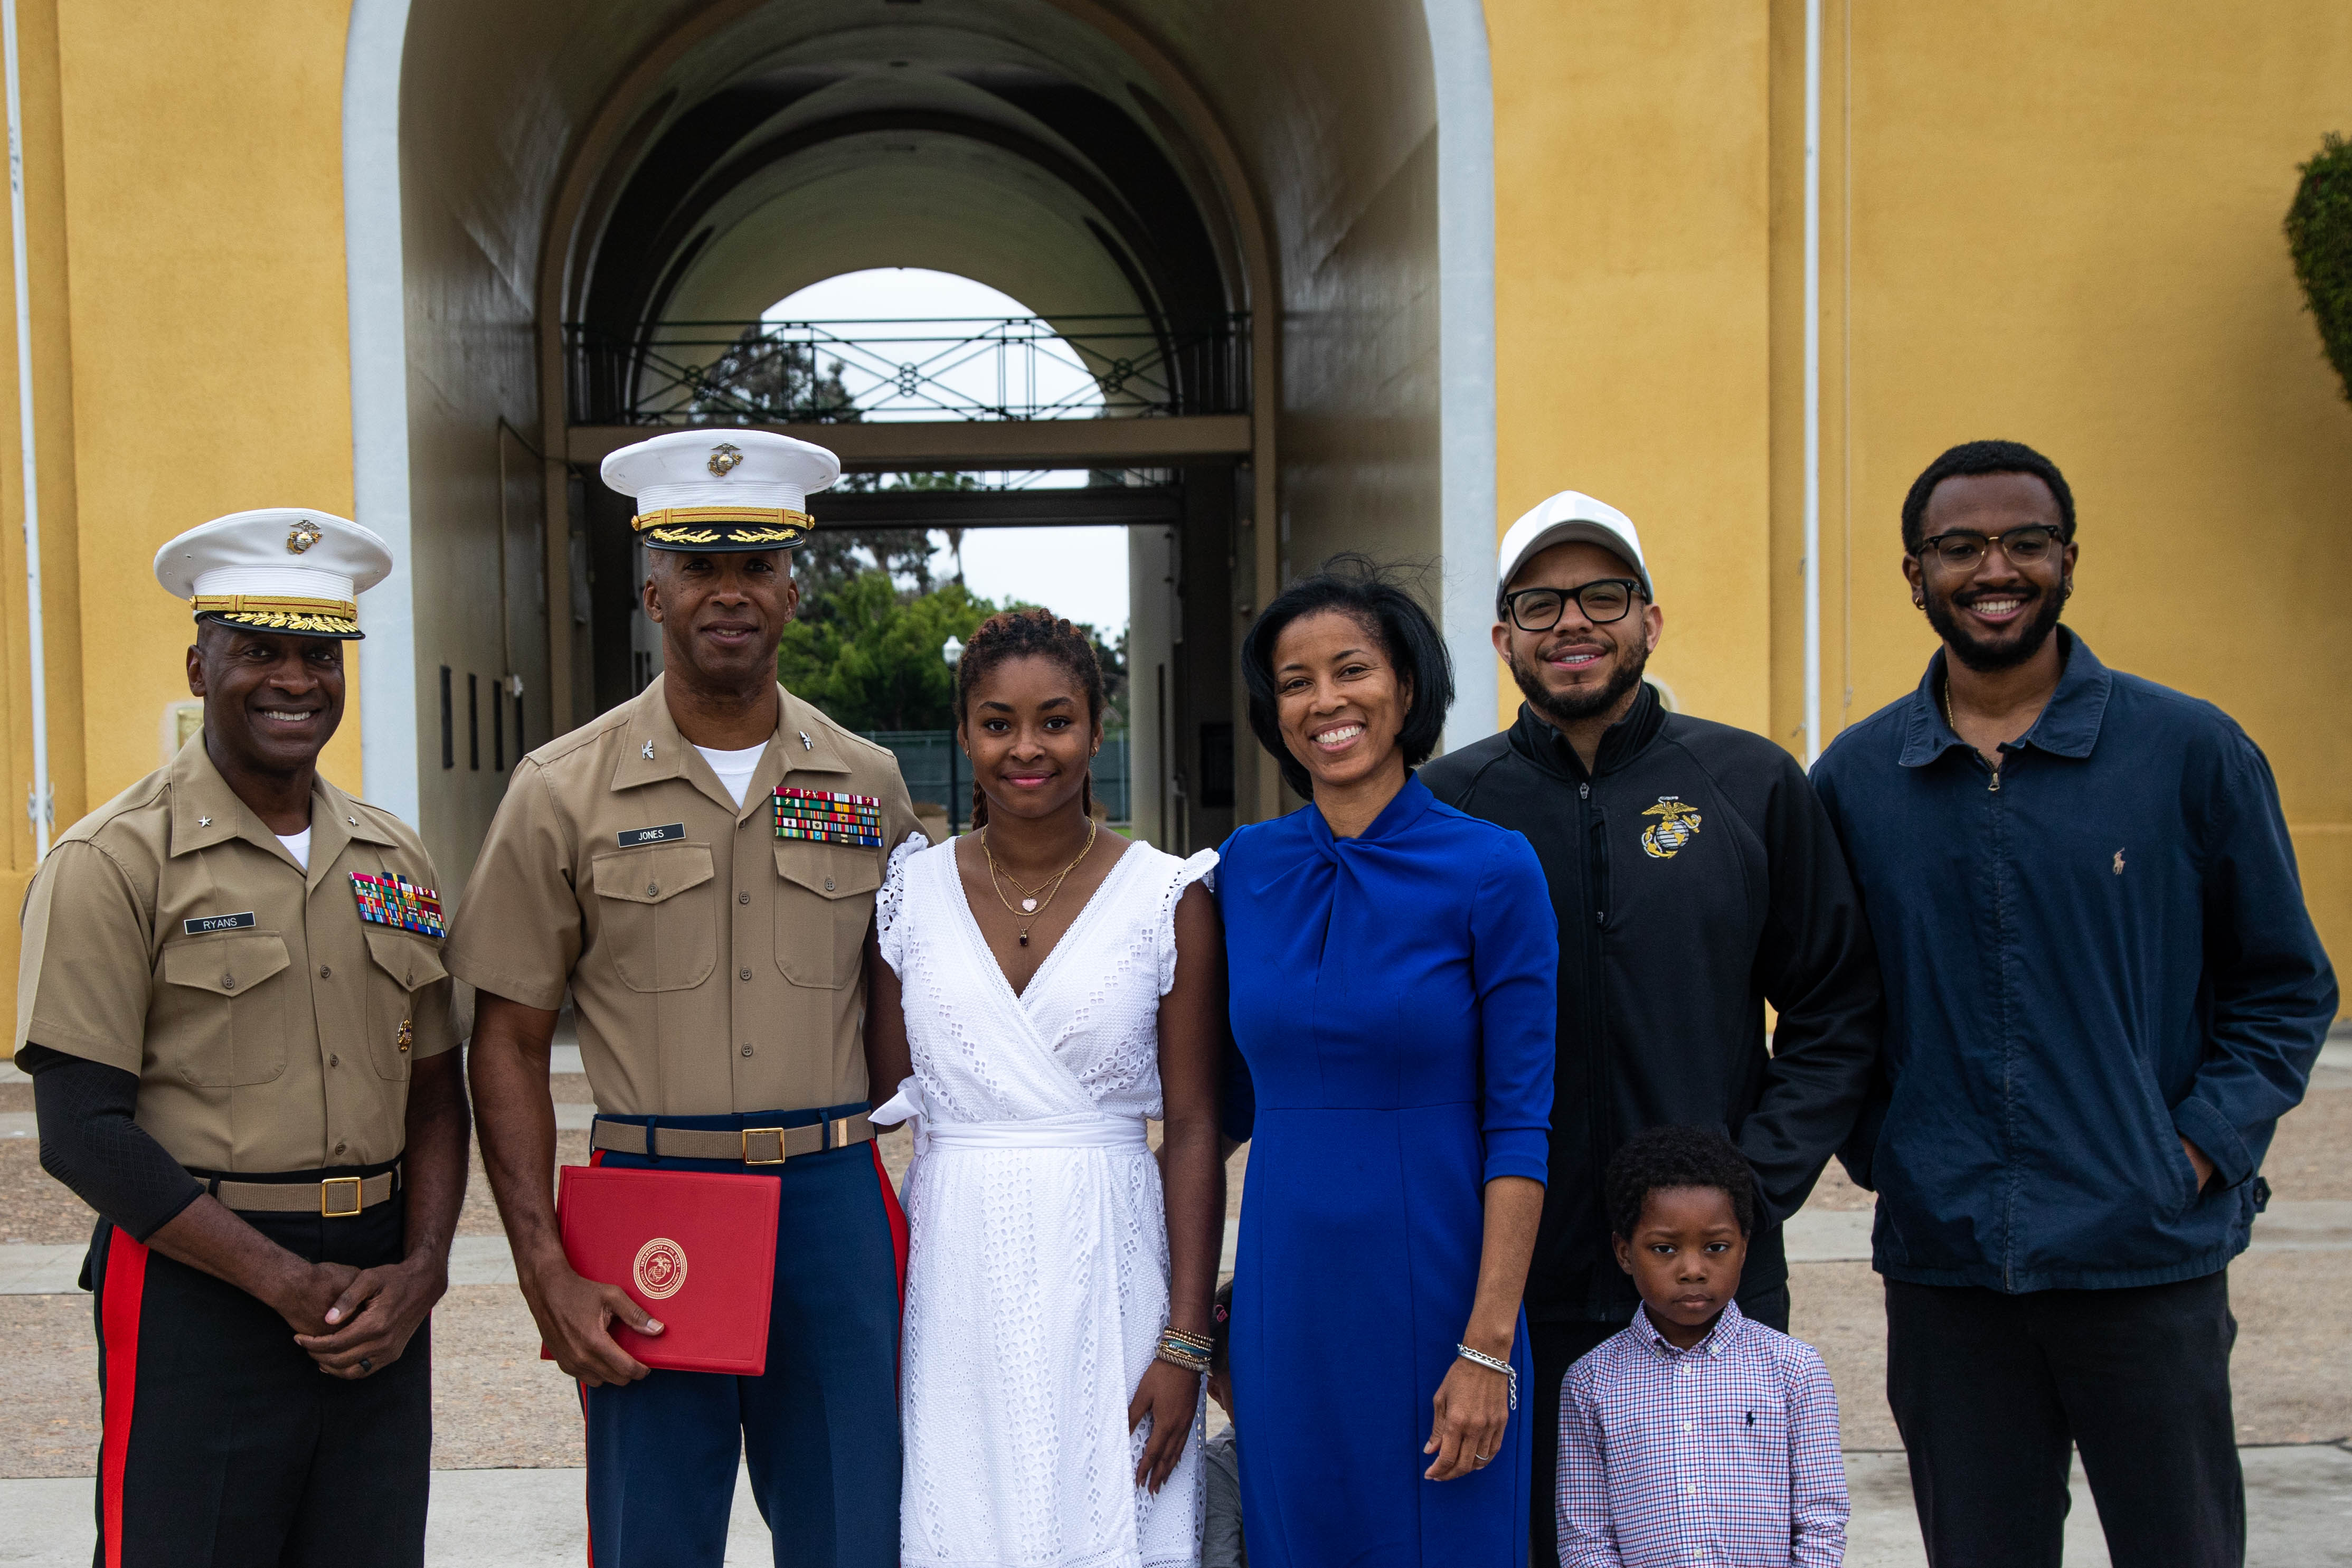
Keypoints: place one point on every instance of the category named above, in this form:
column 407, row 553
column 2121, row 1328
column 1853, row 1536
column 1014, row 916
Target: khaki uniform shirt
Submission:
column 715, row 967
column 170, row 934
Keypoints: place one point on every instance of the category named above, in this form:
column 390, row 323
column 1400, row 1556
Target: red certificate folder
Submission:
column 696, row 1249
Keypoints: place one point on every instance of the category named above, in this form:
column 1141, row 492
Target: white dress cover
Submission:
column 1038, row 1270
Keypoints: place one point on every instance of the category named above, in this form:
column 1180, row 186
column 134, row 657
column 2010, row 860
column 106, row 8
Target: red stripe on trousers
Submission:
column 897, row 1220
column 126, row 1283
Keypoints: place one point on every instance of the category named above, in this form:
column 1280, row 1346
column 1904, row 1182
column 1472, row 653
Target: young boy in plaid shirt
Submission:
column 1695, row 1435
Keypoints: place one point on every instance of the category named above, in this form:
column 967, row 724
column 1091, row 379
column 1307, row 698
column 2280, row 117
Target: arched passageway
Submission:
column 576, row 177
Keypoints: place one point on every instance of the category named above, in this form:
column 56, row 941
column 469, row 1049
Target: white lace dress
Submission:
column 1038, row 1270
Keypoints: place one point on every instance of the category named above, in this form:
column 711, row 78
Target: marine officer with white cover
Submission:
column 698, row 870
column 232, row 1002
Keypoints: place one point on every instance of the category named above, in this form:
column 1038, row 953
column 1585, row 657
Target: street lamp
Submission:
column 951, row 650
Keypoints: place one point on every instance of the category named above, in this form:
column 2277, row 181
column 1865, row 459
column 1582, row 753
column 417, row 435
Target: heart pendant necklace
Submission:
column 1033, row 900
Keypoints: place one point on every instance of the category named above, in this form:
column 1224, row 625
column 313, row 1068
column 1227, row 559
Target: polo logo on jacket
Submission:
column 1676, row 826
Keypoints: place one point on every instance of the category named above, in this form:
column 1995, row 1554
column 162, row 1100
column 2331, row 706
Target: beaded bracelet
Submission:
column 1491, row 1365
column 1184, row 1349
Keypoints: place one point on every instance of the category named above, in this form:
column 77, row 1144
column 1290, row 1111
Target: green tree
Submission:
column 2319, row 236
column 833, row 558
column 873, row 662
column 765, row 378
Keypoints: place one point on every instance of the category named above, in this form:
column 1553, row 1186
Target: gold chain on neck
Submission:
column 1028, row 916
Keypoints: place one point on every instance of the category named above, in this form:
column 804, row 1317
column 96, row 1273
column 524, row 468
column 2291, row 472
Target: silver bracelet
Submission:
column 1491, row 1365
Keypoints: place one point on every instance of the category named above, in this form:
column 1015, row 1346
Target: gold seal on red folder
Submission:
column 661, row 1269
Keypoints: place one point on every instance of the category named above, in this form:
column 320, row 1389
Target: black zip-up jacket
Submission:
column 1696, row 878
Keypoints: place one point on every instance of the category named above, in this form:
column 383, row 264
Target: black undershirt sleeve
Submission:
column 91, row 1141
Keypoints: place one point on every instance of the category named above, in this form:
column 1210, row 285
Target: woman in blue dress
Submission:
column 1392, row 964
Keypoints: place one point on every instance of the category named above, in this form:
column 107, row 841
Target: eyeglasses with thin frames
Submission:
column 1600, row 601
column 1960, row 549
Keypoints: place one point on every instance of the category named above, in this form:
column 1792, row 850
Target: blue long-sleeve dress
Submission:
column 1392, row 997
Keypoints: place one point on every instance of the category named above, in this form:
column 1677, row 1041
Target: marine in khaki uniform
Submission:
column 233, row 1005
column 697, row 869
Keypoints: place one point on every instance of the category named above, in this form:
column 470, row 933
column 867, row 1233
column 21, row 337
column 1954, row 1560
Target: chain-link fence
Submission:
column 938, row 777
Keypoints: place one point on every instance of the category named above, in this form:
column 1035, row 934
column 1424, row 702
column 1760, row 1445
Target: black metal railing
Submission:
column 1015, row 367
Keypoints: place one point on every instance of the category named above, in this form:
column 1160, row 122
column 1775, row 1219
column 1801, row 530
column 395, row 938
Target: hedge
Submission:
column 2319, row 235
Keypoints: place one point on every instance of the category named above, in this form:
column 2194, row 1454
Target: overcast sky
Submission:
column 1080, row 573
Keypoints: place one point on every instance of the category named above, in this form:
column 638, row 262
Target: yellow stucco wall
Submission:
column 2056, row 224
column 1632, row 324
column 53, row 392
column 203, row 178
column 184, row 195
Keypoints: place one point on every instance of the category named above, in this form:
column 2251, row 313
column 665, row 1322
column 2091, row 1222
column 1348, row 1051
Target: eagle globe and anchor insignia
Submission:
column 660, row 1269
column 1676, row 826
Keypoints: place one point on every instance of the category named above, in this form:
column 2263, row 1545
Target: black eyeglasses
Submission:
column 1960, row 550
column 1600, row 601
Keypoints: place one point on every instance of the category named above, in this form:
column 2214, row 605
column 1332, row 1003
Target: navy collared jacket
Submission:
column 2096, row 953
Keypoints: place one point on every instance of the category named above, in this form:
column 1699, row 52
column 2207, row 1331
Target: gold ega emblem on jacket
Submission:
column 1676, row 826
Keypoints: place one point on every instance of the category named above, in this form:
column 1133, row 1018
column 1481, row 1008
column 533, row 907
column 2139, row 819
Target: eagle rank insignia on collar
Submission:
column 397, row 902
column 1676, row 826
column 829, row 816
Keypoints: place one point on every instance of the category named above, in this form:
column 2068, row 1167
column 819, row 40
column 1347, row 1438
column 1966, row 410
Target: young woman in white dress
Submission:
column 1047, row 988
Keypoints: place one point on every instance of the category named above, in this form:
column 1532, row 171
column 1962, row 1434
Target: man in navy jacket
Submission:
column 2102, row 990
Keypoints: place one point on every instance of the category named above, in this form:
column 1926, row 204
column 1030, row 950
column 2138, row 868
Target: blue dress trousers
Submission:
column 1393, row 998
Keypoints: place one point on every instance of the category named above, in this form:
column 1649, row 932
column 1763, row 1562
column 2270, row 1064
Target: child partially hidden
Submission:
column 1695, row 1434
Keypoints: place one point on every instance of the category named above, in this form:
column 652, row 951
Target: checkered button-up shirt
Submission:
column 1722, row 1456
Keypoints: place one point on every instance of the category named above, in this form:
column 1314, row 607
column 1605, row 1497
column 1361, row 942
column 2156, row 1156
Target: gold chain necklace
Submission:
column 1031, row 905
column 1954, row 724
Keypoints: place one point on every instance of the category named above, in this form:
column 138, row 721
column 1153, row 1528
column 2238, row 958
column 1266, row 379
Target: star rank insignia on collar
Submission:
column 649, row 751
column 204, row 821
column 806, row 744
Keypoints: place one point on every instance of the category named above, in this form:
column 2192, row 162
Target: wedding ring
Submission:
column 366, row 1365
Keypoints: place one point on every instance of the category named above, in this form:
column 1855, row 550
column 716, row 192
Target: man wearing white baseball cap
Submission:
column 232, row 1002
column 1694, row 878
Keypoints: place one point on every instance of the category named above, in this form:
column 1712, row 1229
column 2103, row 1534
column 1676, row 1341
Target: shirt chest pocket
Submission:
column 224, row 1014
column 660, row 915
column 402, row 966
column 1757, row 1429
column 824, row 900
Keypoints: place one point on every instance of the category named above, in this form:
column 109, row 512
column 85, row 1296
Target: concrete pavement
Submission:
column 2298, row 1499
